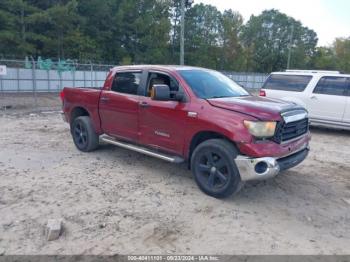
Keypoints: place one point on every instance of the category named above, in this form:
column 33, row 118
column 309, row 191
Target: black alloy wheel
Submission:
column 214, row 169
column 84, row 135
column 80, row 135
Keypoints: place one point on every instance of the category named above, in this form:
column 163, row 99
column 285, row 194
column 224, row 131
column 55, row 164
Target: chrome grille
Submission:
column 292, row 130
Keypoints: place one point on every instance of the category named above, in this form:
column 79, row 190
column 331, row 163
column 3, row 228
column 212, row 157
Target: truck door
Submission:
column 119, row 106
column 162, row 123
column 328, row 100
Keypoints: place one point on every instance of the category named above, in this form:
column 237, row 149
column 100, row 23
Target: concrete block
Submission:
column 53, row 229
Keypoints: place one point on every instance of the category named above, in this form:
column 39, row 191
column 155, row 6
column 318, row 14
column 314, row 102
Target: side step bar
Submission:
column 142, row 150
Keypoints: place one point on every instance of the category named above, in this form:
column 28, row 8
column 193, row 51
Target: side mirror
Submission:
column 178, row 96
column 160, row 93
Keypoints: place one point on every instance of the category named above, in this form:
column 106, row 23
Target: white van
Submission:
column 325, row 94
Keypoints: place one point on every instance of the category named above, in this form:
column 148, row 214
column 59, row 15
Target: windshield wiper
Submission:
column 214, row 97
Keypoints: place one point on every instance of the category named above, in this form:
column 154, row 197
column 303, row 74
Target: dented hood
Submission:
column 258, row 107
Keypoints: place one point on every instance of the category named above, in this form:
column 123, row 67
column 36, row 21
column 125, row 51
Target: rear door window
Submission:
column 127, row 82
column 332, row 85
column 295, row 83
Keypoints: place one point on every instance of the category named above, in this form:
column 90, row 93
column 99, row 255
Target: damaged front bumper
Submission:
column 268, row 167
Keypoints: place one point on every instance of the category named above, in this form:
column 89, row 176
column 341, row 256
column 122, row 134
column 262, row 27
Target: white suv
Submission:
column 325, row 94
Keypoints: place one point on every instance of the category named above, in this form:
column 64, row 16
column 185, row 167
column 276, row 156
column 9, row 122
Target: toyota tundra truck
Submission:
column 197, row 115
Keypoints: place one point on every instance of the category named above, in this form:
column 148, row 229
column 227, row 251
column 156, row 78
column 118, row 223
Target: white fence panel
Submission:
column 21, row 80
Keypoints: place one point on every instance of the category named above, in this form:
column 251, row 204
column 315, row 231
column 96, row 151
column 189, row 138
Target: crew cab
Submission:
column 325, row 94
column 181, row 113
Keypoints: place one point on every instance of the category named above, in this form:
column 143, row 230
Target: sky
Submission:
column 328, row 18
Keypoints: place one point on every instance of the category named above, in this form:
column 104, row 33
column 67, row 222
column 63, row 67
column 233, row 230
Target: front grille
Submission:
column 288, row 131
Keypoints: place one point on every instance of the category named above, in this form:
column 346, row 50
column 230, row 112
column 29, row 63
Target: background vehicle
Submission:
column 190, row 114
column 325, row 94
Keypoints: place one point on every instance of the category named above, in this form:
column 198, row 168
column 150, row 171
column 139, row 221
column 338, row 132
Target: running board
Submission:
column 142, row 150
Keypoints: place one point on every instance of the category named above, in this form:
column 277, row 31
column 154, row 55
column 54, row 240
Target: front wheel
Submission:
column 213, row 167
column 84, row 135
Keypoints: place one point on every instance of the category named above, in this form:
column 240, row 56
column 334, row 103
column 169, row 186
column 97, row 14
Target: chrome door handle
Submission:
column 313, row 97
column 144, row 104
column 104, row 99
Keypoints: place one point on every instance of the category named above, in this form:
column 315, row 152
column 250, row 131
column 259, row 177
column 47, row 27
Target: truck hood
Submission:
column 258, row 107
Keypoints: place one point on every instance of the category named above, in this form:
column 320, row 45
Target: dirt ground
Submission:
column 30, row 102
column 116, row 201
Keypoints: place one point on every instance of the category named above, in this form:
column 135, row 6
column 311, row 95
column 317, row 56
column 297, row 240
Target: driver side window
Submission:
column 161, row 79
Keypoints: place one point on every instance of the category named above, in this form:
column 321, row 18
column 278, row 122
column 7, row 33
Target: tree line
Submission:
column 148, row 31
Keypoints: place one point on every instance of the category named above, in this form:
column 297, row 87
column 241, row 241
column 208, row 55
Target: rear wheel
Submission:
column 213, row 167
column 84, row 135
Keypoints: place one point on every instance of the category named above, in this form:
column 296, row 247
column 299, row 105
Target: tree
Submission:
column 143, row 30
column 103, row 32
column 147, row 31
column 269, row 34
column 175, row 19
column 334, row 57
column 52, row 26
column 232, row 51
column 342, row 53
column 202, row 36
column 13, row 27
column 324, row 59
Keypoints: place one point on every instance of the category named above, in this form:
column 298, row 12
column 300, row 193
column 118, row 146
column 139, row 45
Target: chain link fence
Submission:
column 34, row 85
column 250, row 81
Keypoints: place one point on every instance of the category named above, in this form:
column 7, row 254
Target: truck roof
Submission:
column 167, row 67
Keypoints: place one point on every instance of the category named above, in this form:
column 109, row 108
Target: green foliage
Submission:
column 148, row 31
column 268, row 36
column 233, row 55
column 202, row 36
column 335, row 57
column 324, row 58
column 145, row 37
column 126, row 60
column 342, row 53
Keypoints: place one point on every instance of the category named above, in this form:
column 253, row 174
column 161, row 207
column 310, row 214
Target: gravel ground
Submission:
column 116, row 201
column 30, row 102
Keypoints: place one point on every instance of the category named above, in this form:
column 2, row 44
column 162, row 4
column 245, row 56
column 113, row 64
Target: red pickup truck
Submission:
column 180, row 113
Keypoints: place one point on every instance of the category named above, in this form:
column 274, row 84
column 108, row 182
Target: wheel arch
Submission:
column 77, row 112
column 201, row 137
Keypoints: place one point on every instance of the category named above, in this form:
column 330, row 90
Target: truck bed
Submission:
column 87, row 98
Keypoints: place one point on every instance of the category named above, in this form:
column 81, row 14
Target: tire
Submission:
column 214, row 169
column 84, row 135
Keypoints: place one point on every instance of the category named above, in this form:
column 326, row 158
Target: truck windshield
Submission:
column 207, row 84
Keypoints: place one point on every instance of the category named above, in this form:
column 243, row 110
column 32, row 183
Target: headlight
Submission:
column 261, row 129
